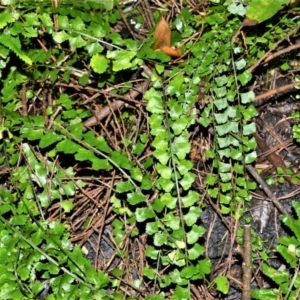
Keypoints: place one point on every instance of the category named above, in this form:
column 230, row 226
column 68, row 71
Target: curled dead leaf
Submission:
column 162, row 34
column 162, row 39
column 173, row 52
column 248, row 22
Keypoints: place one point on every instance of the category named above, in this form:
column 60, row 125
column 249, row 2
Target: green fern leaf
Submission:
column 296, row 206
column 14, row 45
column 289, row 254
column 5, row 18
column 294, row 225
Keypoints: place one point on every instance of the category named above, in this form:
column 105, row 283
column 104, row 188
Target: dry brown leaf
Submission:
column 248, row 22
column 173, row 52
column 162, row 36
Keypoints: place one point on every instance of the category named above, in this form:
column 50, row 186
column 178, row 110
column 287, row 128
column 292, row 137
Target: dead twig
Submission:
column 282, row 51
column 247, row 261
column 267, row 190
column 260, row 99
column 117, row 105
column 267, row 54
column 273, row 157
